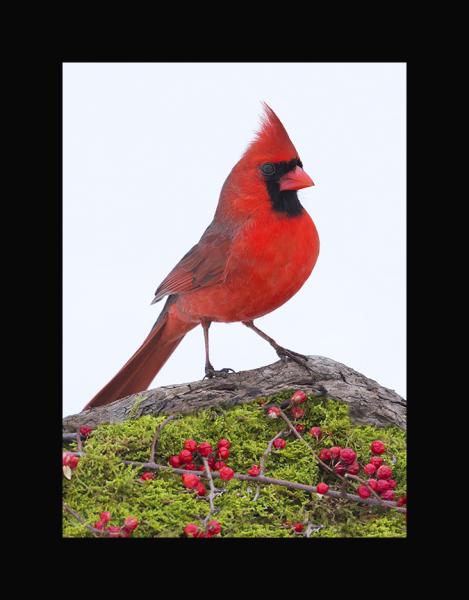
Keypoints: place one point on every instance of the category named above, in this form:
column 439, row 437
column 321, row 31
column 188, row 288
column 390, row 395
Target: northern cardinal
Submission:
column 255, row 255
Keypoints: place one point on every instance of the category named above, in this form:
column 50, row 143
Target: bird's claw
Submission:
column 211, row 372
column 300, row 359
column 284, row 353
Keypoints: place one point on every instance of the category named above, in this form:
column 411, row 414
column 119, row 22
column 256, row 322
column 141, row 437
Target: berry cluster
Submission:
column 191, row 459
column 341, row 460
column 192, row 530
column 70, row 460
column 124, row 531
column 344, row 460
column 382, row 484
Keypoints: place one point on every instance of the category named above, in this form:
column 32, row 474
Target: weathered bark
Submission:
column 369, row 402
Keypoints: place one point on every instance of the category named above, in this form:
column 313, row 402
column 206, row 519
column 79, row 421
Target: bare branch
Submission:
column 212, row 492
column 78, row 517
column 271, row 481
column 154, row 443
column 262, row 461
column 369, row 402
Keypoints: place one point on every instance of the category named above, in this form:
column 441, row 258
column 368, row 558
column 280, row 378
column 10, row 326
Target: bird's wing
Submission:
column 202, row 266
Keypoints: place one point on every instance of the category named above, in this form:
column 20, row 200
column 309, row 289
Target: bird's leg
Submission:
column 282, row 352
column 209, row 370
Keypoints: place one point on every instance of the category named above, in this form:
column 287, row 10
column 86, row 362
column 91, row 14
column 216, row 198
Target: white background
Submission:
column 146, row 150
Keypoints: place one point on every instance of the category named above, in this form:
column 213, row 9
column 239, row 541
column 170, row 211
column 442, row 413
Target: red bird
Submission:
column 255, row 255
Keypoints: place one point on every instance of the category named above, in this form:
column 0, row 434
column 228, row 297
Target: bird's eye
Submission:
column 268, row 169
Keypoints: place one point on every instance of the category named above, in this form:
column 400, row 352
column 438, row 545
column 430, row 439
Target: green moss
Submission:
column 163, row 506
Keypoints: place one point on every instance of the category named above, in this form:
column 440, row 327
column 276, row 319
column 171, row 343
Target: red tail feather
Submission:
column 139, row 371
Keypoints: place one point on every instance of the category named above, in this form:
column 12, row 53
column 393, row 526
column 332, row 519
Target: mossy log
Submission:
column 368, row 401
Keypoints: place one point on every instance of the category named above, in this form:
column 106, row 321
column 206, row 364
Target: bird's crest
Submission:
column 271, row 141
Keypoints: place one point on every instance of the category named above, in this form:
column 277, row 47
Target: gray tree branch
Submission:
column 369, row 402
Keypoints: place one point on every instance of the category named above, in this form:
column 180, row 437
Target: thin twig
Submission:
column 79, row 518
column 71, row 437
column 296, row 434
column 268, row 450
column 154, row 443
column 311, row 528
column 211, row 495
column 79, row 442
column 270, row 481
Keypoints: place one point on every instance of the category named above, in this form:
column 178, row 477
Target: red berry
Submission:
column 369, row 469
column 363, row 491
column 335, row 451
column 190, row 445
column 211, row 462
column 105, row 517
column 99, row 524
column 213, row 528
column 201, row 490
column 190, row 467
column 377, row 447
column 224, row 443
column 297, row 412
column 377, row 461
column 299, row 397
column 339, row 469
column 226, row 473
column 70, row 460
column 114, row 532
column 73, row 461
column 273, row 412
column 387, row 495
column 200, row 468
column 191, row 530
column 85, row 431
column 223, row 452
column 298, row 527
column 185, row 456
column 402, row 500
column 279, row 443
column 254, row 471
column 190, row 480
column 175, row 461
column 392, row 484
column 353, row 468
column 300, row 427
column 348, row 455
column 315, row 432
column 147, row 475
column 325, row 454
column 373, row 483
column 131, row 523
column 382, row 485
column 322, row 488
column 204, row 449
column 219, row 465
column 384, row 472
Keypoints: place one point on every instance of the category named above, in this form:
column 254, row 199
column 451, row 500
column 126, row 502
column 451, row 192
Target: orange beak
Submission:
column 295, row 180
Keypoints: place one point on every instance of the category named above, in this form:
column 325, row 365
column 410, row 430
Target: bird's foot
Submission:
column 284, row 352
column 300, row 359
column 210, row 372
